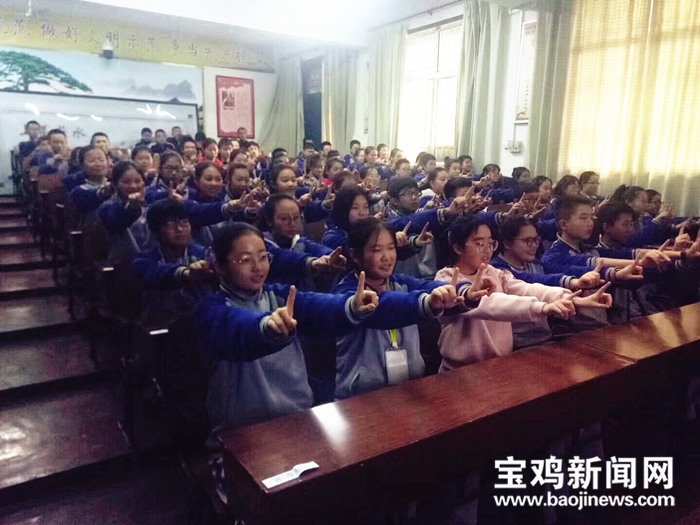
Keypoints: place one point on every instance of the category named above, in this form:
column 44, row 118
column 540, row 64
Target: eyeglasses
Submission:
column 484, row 246
column 250, row 261
column 177, row 223
column 172, row 169
column 531, row 241
column 412, row 194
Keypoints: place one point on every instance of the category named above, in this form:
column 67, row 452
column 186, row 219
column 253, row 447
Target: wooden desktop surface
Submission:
column 382, row 444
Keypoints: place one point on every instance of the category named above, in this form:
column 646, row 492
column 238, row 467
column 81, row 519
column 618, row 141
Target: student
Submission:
column 369, row 158
column 225, row 149
column 326, row 147
column 96, row 189
column 124, row 215
column 568, row 185
column 171, row 178
column 663, row 286
column 495, row 186
column 395, row 156
column 383, row 154
column 146, row 138
column 248, row 332
column 466, row 166
column 518, row 255
column 379, row 353
column 403, row 205
column 176, row 137
column 207, row 210
column 101, row 140
column 456, row 187
column 33, row 130
column 142, row 156
column 174, row 274
column 190, row 154
column 161, row 145
column 589, row 182
column 575, row 222
column 651, row 231
column 282, row 222
column 354, row 148
column 426, row 164
column 284, row 180
column 242, row 138
column 402, row 169
column 351, row 206
column 433, row 186
column 452, row 167
column 544, row 185
column 55, row 161
column 521, row 175
column 210, row 152
column 330, row 170
column 486, row 331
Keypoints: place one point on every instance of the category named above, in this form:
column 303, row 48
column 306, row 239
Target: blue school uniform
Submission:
column 305, row 247
column 45, row 161
column 128, row 230
column 648, row 232
column 73, row 180
column 87, row 200
column 561, row 257
column 360, row 358
column 157, row 191
column 27, row 147
column 167, row 294
column 256, row 375
column 347, row 160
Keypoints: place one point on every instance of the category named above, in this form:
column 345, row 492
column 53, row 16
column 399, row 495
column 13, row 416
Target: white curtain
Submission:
column 633, row 97
column 385, row 77
column 339, row 85
column 482, row 80
column 284, row 126
column 553, row 43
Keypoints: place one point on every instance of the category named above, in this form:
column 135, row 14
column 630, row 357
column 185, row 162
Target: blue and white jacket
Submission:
column 255, row 375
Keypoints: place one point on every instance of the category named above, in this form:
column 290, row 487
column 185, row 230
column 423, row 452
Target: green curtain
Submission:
column 339, row 86
column 553, row 44
column 284, row 126
column 482, row 80
column 385, row 77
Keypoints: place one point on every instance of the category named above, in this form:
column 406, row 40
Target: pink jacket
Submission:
column 485, row 331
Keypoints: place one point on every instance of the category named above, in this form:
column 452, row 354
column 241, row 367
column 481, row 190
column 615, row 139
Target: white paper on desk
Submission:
column 294, row 473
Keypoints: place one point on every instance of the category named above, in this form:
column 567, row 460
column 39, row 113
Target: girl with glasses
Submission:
column 171, row 175
column 486, row 331
column 249, row 332
column 518, row 255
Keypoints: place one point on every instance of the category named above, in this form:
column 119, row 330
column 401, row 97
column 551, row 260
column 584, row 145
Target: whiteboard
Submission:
column 81, row 116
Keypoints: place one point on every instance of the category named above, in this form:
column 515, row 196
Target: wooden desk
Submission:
column 383, row 446
column 668, row 334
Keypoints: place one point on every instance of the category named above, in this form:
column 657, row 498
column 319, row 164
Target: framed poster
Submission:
column 235, row 106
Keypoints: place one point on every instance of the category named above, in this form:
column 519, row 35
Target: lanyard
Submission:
column 394, row 335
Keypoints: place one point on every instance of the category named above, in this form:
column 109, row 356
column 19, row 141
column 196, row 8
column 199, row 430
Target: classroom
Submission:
column 393, row 262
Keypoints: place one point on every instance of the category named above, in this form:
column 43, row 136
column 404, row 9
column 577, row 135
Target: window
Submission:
column 633, row 95
column 428, row 108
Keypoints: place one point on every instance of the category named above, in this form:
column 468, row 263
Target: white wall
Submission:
column 361, row 102
column 264, row 85
column 511, row 130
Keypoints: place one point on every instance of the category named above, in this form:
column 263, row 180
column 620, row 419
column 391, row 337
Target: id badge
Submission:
column 396, row 365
